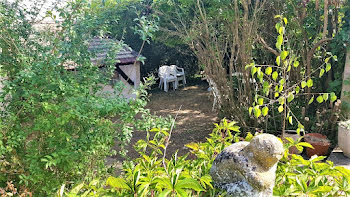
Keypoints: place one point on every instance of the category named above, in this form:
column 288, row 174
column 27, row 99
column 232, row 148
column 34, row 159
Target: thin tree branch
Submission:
column 262, row 41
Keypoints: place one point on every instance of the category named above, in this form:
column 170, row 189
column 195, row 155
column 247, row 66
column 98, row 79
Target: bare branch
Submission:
column 262, row 41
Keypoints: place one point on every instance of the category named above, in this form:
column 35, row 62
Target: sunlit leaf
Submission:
column 328, row 67
column 274, row 75
column 321, row 72
column 268, row 70
column 280, row 108
column 265, row 110
column 309, row 83
column 311, row 100
column 319, row 99
column 284, row 54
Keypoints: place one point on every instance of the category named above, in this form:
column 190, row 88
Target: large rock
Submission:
column 248, row 169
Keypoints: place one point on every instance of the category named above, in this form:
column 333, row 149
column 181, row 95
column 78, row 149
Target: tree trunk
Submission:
column 346, row 87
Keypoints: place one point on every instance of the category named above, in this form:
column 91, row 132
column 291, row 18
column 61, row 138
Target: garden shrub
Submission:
column 56, row 127
column 152, row 174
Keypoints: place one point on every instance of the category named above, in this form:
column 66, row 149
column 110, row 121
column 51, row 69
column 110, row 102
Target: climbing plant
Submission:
column 278, row 89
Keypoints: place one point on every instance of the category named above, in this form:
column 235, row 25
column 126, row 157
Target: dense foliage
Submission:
column 56, row 124
column 57, row 127
column 152, row 174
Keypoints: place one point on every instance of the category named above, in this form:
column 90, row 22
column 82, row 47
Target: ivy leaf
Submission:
column 319, row 99
column 284, row 54
column 268, row 70
column 311, row 100
column 335, row 58
column 278, row 60
column 328, row 67
column 260, row 101
column 280, row 89
column 277, row 26
column 265, row 110
column 333, row 97
column 290, row 98
column 280, row 108
column 290, row 119
column 279, row 42
column 296, row 63
column 325, row 96
column 327, row 59
column 253, row 70
column 257, row 112
column 309, row 83
column 282, row 81
column 274, row 75
column 281, row 30
column 321, row 72
column 303, row 84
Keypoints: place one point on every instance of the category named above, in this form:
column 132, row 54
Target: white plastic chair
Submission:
column 180, row 73
column 167, row 75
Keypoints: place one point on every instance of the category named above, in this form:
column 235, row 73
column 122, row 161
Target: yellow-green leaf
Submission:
column 280, row 108
column 260, row 101
column 321, row 72
column 328, row 67
column 311, row 100
column 327, row 59
column 290, row 98
column 274, row 75
column 281, row 30
column 319, row 99
column 325, row 96
column 268, row 70
column 265, row 110
column 279, row 42
column 333, row 97
column 278, row 60
column 257, row 112
column 290, row 119
column 253, row 70
column 309, row 83
column 285, row 20
column 303, row 84
column 296, row 63
column 284, row 54
column 117, row 183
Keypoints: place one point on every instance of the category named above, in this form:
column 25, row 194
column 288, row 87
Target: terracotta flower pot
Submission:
column 344, row 138
column 319, row 142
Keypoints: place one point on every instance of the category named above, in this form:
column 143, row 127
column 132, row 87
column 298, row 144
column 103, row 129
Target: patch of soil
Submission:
column 194, row 121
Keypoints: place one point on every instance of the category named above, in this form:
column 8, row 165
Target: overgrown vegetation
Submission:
column 153, row 175
column 57, row 127
column 56, row 124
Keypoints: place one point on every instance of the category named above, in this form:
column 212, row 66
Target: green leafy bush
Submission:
column 296, row 176
column 152, row 174
column 56, row 126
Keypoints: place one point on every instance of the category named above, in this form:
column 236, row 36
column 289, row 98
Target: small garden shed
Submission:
column 127, row 68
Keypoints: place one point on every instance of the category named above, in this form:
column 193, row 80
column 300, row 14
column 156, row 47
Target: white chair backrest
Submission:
column 172, row 70
column 162, row 70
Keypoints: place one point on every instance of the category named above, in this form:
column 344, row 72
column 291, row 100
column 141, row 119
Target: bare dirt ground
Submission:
column 194, row 121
